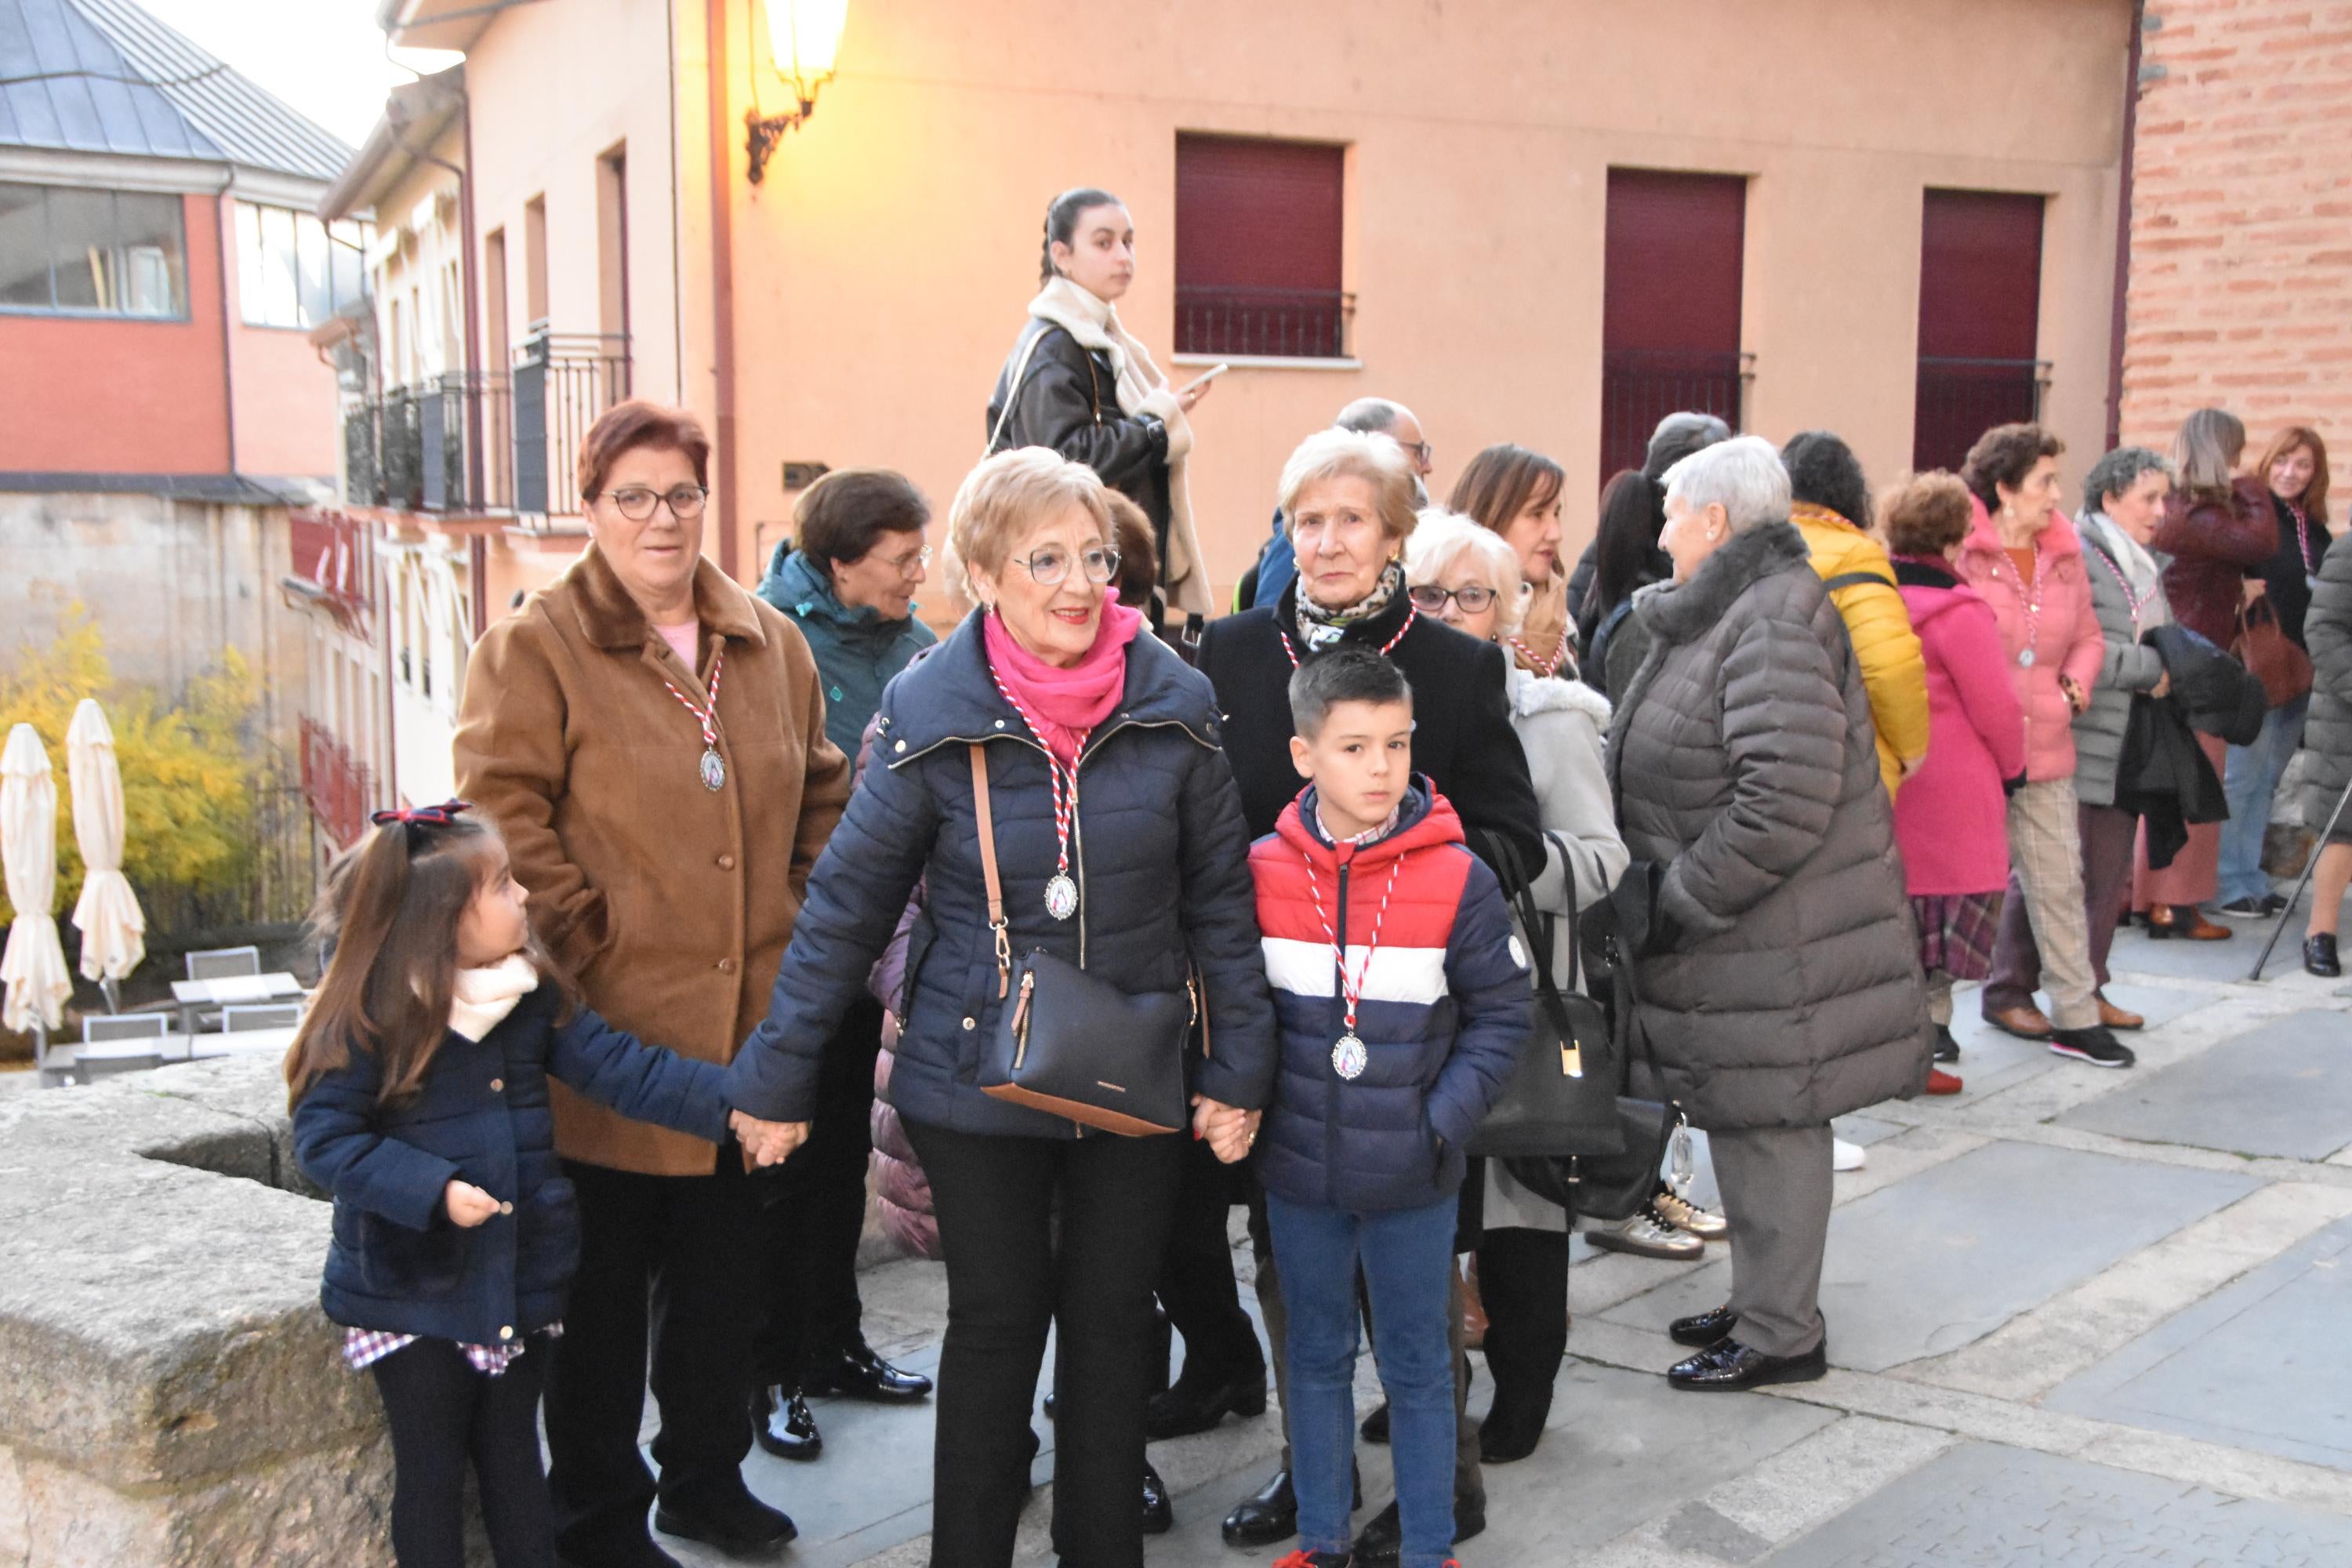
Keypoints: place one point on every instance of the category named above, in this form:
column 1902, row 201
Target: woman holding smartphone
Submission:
column 1078, row 382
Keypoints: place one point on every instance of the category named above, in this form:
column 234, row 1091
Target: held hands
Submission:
column 767, row 1142
column 1229, row 1130
column 469, row 1205
column 2076, row 698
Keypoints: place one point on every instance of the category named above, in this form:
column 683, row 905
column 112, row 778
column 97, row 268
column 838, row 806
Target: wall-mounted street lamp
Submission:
column 805, row 36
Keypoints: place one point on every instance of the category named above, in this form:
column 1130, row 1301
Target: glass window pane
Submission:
column 317, row 297
column 249, row 292
column 281, row 292
column 153, row 264
column 349, row 263
column 82, row 246
column 24, row 248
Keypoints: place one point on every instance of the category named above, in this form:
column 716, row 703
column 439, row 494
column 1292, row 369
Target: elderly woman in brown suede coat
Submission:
column 650, row 737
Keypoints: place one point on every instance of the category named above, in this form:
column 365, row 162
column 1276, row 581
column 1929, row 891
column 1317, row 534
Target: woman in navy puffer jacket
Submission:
column 1051, row 682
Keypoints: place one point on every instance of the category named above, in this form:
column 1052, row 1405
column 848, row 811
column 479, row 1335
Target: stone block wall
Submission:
column 170, row 1394
column 2241, row 279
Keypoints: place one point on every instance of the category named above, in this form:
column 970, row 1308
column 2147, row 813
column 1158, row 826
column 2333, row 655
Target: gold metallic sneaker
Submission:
column 1705, row 1224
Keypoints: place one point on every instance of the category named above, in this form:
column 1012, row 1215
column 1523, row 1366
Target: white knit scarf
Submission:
column 482, row 998
column 1142, row 389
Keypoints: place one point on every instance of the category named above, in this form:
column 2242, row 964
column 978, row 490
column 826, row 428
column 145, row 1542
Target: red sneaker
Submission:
column 1941, row 1082
column 1303, row 1559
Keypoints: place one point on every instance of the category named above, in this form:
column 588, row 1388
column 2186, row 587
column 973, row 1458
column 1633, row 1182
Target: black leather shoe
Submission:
column 1728, row 1365
column 1271, row 1513
column 1703, row 1329
column 782, row 1425
column 611, row 1552
column 1509, row 1433
column 741, row 1525
column 2319, row 956
column 1158, row 1514
column 1948, row 1049
column 1181, row 1410
column 1379, row 1543
column 858, row 1374
column 1376, row 1426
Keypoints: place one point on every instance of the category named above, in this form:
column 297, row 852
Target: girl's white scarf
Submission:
column 1142, row 389
column 482, row 998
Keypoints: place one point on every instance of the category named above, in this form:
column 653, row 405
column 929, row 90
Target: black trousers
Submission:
column 996, row 1200
column 662, row 1263
column 815, row 1211
column 445, row 1416
column 1197, row 1287
column 1523, row 1280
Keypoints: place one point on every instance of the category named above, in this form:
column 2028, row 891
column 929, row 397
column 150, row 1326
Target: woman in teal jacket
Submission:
column 848, row 581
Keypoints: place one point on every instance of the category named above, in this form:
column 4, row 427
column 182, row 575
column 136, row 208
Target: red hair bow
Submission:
column 440, row 815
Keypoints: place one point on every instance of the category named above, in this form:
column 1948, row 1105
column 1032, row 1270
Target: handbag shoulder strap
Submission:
column 1012, row 392
column 1575, row 915
column 1855, row 580
column 1519, row 892
column 987, row 823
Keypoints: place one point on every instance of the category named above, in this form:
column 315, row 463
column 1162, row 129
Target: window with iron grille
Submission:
column 1258, row 227
column 1670, row 305
column 1980, row 320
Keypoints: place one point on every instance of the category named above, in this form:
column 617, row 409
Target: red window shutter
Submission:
column 1258, row 227
column 1979, row 319
column 1670, row 304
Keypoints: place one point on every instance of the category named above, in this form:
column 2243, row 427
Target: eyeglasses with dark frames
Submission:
column 1472, row 596
column 1049, row 567
column 637, row 503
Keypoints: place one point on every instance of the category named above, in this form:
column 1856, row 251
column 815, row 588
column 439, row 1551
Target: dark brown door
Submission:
column 1670, row 305
column 1979, row 315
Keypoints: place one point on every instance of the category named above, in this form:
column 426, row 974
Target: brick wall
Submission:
column 2240, row 282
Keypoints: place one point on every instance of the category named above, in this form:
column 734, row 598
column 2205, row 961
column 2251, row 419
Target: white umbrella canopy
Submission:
column 34, row 968
column 113, row 928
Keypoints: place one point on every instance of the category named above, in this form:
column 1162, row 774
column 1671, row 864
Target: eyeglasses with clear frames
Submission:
column 906, row 565
column 637, row 503
column 1049, row 566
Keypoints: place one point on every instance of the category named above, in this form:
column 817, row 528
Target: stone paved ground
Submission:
column 2076, row 1318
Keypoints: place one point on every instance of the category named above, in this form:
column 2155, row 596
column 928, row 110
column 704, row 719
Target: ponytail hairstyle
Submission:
column 2207, row 450
column 1062, row 222
column 389, row 912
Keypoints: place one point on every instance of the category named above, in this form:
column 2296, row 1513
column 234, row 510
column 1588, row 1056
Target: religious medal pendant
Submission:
column 2025, row 658
column 1348, row 1057
column 714, row 770
column 1060, row 895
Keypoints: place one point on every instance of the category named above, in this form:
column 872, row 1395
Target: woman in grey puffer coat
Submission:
column 1776, row 968
column 2327, row 737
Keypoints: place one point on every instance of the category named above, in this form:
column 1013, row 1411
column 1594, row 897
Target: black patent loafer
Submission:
column 1375, row 1429
column 782, row 1425
column 1700, row 1331
column 1267, row 1515
column 1180, row 1411
column 2319, row 956
column 741, row 1525
column 1159, row 1513
column 1380, row 1543
column 858, row 1374
column 1727, row 1365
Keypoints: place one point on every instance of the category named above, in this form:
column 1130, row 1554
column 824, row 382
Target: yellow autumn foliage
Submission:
column 189, row 776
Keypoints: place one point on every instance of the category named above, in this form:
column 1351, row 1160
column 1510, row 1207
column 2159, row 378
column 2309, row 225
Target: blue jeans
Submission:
column 1407, row 1256
column 2250, row 781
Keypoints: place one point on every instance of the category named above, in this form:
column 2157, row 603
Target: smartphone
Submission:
column 1205, row 377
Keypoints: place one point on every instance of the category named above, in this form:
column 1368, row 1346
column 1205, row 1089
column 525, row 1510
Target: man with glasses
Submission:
column 848, row 581
column 1277, row 566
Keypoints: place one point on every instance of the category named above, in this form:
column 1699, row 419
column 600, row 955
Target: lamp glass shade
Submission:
column 805, row 36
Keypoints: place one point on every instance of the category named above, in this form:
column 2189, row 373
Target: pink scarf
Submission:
column 1067, row 703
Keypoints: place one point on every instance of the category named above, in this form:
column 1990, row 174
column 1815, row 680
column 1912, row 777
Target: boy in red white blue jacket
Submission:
column 1402, row 998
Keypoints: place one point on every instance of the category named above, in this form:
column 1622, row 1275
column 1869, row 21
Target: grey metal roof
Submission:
column 102, row 75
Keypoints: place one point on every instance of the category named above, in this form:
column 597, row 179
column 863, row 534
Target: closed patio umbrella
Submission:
column 114, row 930
column 34, row 968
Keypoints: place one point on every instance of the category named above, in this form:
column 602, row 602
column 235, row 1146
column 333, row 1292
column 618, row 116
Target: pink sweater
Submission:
column 2065, row 632
column 1951, row 818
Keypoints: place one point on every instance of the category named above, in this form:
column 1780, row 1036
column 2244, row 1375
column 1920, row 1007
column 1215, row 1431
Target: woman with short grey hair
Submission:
column 1776, row 967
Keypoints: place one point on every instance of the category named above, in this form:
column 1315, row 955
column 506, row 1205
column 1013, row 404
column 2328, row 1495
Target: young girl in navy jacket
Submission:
column 418, row 1082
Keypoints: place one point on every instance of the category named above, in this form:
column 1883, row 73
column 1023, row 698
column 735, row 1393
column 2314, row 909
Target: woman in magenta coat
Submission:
column 1951, row 818
column 2022, row 555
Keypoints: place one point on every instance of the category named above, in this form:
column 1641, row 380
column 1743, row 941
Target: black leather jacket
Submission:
column 1068, row 400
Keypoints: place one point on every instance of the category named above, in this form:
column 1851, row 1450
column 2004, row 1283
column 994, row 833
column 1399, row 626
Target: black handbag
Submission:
column 1608, row 1187
column 1560, row 1099
column 1073, row 1045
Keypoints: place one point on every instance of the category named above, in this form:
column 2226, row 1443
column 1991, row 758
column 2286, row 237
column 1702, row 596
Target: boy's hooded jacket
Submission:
column 1443, row 1010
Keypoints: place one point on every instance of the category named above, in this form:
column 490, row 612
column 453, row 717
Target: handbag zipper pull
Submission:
column 1021, row 1019
column 1004, row 961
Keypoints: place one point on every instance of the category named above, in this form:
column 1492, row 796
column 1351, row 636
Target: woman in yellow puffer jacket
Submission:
column 1832, row 507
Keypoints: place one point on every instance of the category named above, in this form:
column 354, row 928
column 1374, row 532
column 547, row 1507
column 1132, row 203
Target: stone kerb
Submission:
column 170, row 1394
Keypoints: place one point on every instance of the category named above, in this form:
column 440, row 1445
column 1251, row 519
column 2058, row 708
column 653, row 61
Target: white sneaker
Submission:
column 1845, row 1156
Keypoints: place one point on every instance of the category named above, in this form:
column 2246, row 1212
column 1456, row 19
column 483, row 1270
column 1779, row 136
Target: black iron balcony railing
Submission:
column 1274, row 323
column 561, row 382
column 1640, row 386
column 1960, row 399
column 414, row 446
